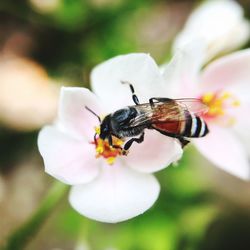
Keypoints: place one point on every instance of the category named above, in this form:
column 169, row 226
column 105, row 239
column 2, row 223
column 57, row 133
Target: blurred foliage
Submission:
column 19, row 239
column 68, row 38
column 79, row 34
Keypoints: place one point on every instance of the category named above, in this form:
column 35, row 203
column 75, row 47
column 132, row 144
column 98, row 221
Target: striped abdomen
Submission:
column 177, row 122
column 194, row 126
column 189, row 126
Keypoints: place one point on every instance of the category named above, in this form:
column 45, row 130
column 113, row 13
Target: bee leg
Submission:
column 130, row 142
column 111, row 143
column 134, row 96
column 95, row 138
column 114, row 146
column 160, row 99
column 183, row 141
column 110, row 140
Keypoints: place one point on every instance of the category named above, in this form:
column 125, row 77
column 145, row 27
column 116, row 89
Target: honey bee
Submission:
column 176, row 118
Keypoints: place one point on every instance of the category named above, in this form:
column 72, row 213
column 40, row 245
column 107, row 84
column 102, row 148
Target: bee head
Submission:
column 105, row 128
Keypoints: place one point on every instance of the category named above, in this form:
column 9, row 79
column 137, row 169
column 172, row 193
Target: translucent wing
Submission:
column 193, row 105
column 144, row 117
column 167, row 111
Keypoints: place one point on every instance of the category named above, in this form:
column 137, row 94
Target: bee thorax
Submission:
column 129, row 132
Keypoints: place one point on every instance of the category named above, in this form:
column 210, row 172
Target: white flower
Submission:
column 219, row 23
column 224, row 85
column 110, row 187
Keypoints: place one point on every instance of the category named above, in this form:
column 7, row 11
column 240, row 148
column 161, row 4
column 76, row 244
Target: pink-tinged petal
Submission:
column 154, row 153
column 231, row 73
column 117, row 194
column 73, row 115
column 181, row 74
column 242, row 125
column 138, row 69
column 70, row 160
column 224, row 150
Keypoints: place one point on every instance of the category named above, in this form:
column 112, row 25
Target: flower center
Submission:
column 219, row 103
column 103, row 148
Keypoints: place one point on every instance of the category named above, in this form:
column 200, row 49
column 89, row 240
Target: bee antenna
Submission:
column 91, row 111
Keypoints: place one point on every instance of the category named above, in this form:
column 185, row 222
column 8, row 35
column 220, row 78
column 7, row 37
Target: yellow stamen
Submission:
column 236, row 103
column 218, row 103
column 226, row 95
column 99, row 149
column 110, row 160
column 207, row 97
column 103, row 149
column 98, row 130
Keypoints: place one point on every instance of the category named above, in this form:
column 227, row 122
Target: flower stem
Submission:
column 26, row 232
column 82, row 241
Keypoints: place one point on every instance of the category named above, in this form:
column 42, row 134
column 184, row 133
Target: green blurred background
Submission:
column 49, row 43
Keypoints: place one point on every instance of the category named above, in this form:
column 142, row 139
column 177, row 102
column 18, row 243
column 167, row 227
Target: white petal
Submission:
column 230, row 73
column 73, row 115
column 181, row 75
column 70, row 160
column 138, row 69
column 117, row 194
column 223, row 149
column 154, row 153
column 219, row 23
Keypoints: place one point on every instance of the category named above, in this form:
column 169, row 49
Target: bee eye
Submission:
column 104, row 132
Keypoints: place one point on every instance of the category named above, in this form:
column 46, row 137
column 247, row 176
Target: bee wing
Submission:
column 173, row 110
column 168, row 111
column 145, row 113
column 193, row 105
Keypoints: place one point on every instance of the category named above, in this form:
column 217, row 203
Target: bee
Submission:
column 176, row 118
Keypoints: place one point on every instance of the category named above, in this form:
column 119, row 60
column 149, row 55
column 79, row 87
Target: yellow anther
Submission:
column 99, row 149
column 110, row 160
column 98, row 130
column 105, row 150
column 215, row 110
column 226, row 95
column 236, row 103
column 218, row 103
column 208, row 97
